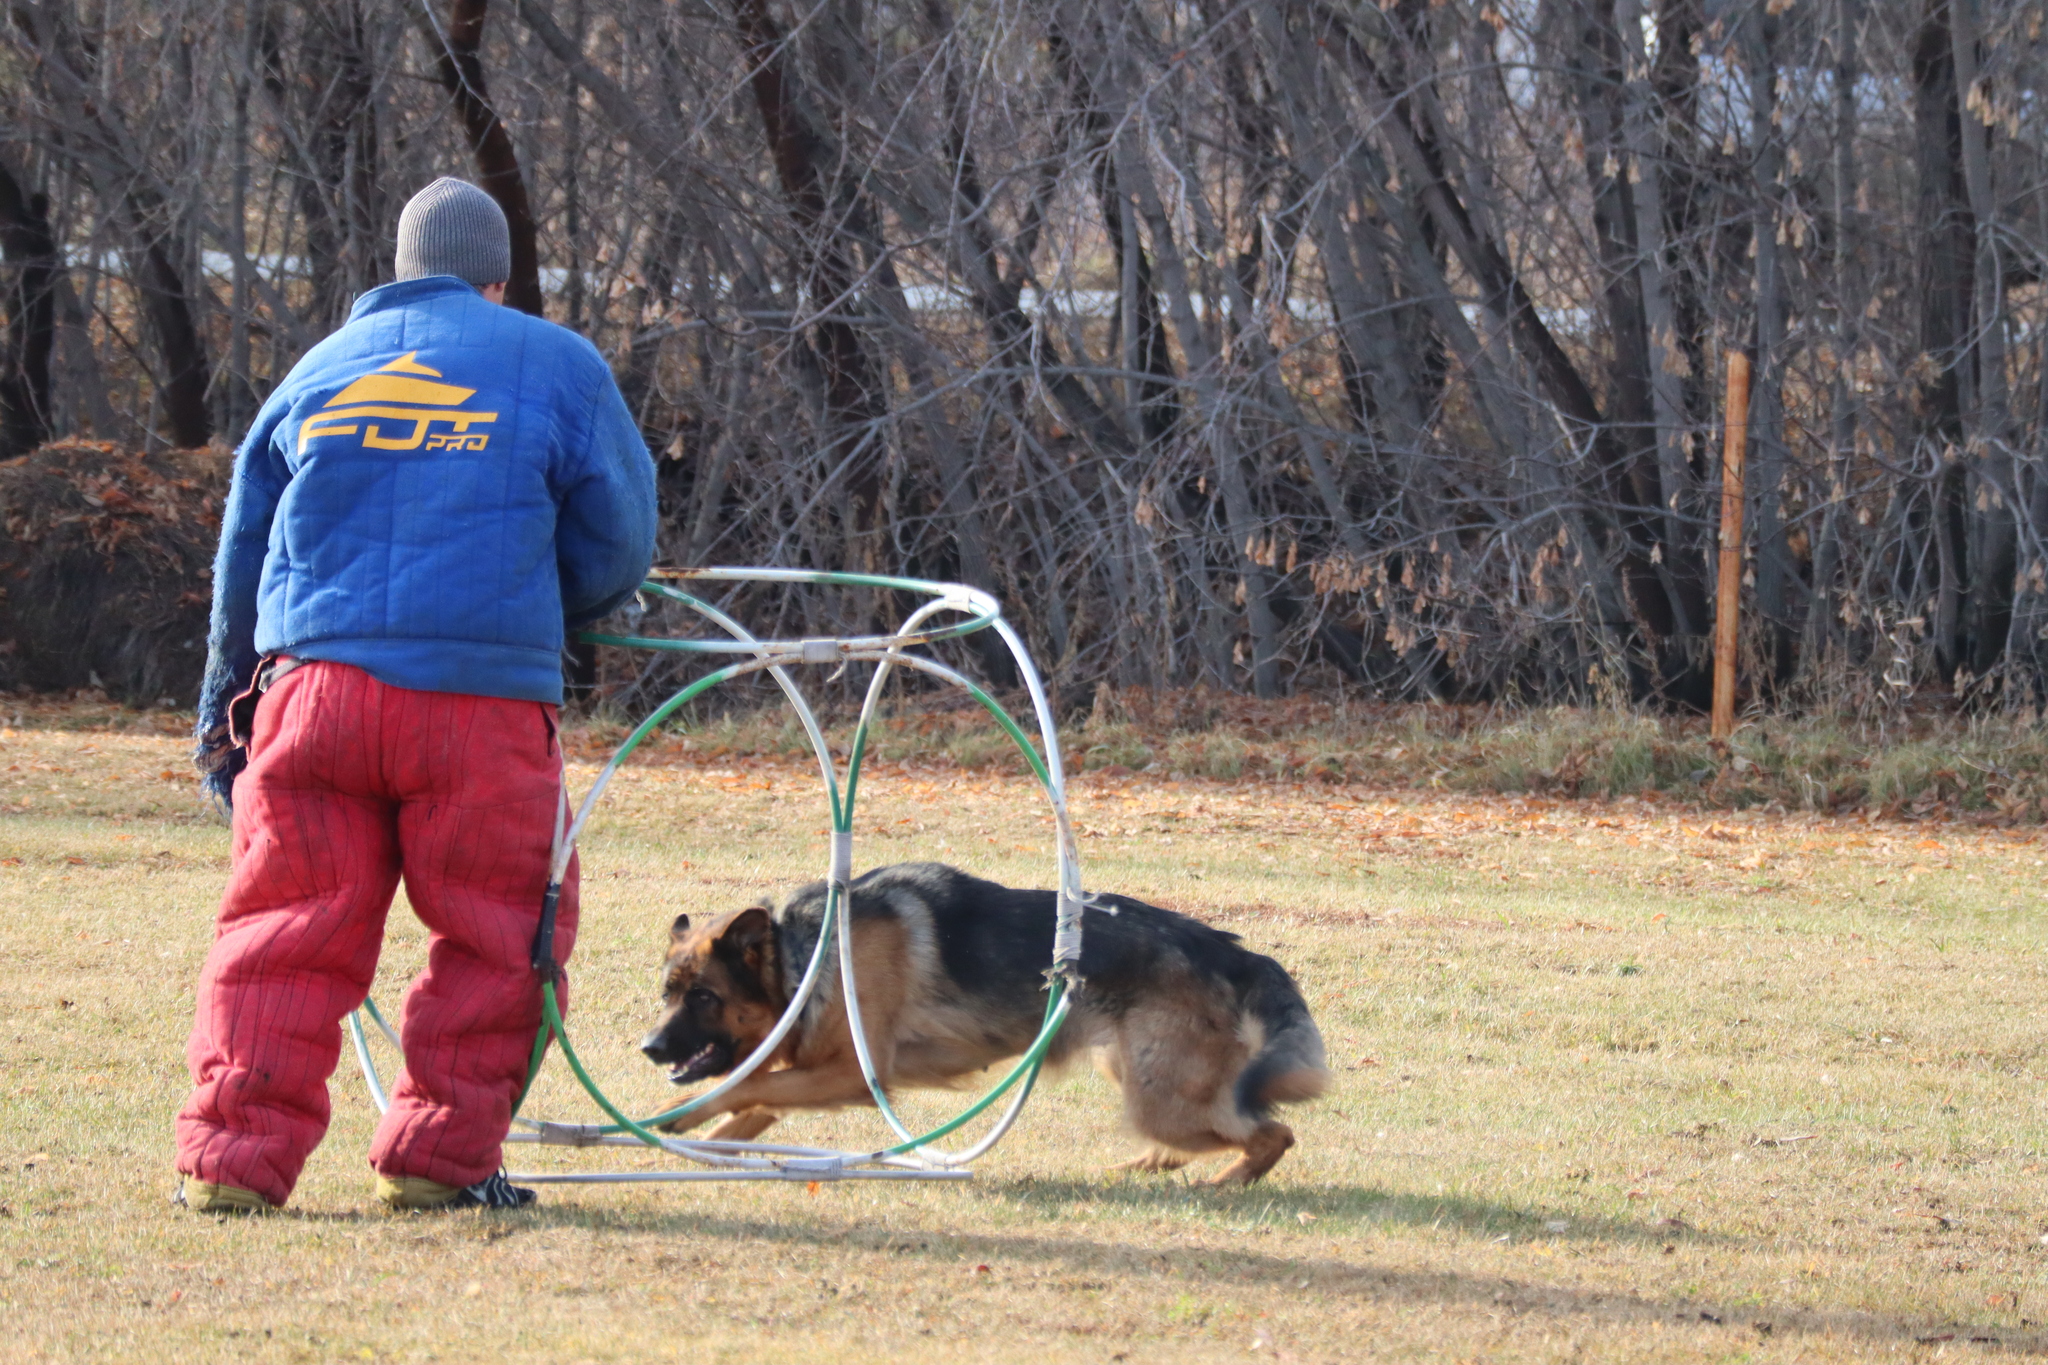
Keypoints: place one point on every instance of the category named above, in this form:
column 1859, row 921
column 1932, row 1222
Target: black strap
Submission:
column 544, row 941
column 272, row 671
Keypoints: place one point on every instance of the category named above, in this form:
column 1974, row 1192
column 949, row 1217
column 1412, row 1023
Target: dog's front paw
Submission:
column 683, row 1124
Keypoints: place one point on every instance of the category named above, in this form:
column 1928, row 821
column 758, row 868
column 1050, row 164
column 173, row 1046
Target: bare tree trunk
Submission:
column 30, row 251
column 1946, row 247
column 1666, row 359
column 572, row 185
column 1593, row 54
column 167, row 305
column 460, row 66
column 855, row 400
column 81, row 367
column 237, row 399
column 115, row 162
column 1991, row 577
column 1216, row 424
column 1847, row 340
column 1775, row 578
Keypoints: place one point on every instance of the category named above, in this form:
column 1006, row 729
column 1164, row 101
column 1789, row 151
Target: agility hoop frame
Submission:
column 913, row 1157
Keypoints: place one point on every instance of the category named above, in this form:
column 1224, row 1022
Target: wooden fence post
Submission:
column 1728, row 596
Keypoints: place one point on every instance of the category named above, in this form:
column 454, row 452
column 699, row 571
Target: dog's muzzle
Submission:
column 712, row 1059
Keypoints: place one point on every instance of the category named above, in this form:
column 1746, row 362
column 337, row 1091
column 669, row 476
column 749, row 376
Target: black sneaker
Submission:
column 494, row 1192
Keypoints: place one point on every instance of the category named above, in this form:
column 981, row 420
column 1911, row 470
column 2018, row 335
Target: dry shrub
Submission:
column 105, row 565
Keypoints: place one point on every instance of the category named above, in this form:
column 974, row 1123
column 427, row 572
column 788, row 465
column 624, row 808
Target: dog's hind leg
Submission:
column 1266, row 1145
column 1174, row 1060
column 744, row 1126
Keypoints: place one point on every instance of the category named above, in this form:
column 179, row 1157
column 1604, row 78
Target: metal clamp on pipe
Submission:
column 841, row 874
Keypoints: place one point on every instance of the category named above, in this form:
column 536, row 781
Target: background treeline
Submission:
column 1250, row 344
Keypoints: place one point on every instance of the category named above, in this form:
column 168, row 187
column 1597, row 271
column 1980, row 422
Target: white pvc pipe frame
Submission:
column 771, row 1161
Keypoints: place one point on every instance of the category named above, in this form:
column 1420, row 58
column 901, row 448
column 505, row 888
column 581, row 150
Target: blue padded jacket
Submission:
column 432, row 494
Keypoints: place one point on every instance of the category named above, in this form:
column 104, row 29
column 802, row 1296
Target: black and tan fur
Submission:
column 1203, row 1035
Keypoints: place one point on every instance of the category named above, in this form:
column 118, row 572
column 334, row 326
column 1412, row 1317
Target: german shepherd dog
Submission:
column 1203, row 1035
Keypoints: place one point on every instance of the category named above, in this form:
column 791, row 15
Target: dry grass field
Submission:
column 1616, row 1081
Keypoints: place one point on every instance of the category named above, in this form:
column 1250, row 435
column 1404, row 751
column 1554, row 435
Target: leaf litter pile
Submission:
column 105, row 560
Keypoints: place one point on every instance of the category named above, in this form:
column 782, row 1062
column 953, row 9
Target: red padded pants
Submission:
column 351, row 785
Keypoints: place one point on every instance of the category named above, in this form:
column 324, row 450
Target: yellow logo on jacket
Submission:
column 395, row 395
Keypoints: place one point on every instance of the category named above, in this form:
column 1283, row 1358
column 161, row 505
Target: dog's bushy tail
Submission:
column 1289, row 1066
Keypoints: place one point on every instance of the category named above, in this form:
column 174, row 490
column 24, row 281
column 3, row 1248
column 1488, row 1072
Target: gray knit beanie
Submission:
column 453, row 228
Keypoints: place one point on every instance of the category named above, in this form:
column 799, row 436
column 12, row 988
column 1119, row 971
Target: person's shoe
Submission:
column 415, row 1193
column 203, row 1196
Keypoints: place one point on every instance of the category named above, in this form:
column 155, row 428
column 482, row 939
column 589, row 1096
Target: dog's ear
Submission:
column 680, row 927
column 748, row 940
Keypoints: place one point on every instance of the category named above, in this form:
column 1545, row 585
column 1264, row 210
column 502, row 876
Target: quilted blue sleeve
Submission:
column 259, row 480
column 604, row 532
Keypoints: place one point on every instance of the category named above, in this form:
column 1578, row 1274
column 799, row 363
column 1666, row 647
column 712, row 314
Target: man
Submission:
column 431, row 495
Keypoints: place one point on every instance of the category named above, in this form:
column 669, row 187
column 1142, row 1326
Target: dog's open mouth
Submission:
column 708, row 1060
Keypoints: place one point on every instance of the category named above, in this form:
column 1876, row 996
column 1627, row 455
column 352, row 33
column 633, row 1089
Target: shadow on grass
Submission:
column 1334, row 1207
column 1219, row 1270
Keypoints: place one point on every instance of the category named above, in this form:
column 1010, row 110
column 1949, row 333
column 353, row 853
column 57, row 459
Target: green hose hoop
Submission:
column 979, row 611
